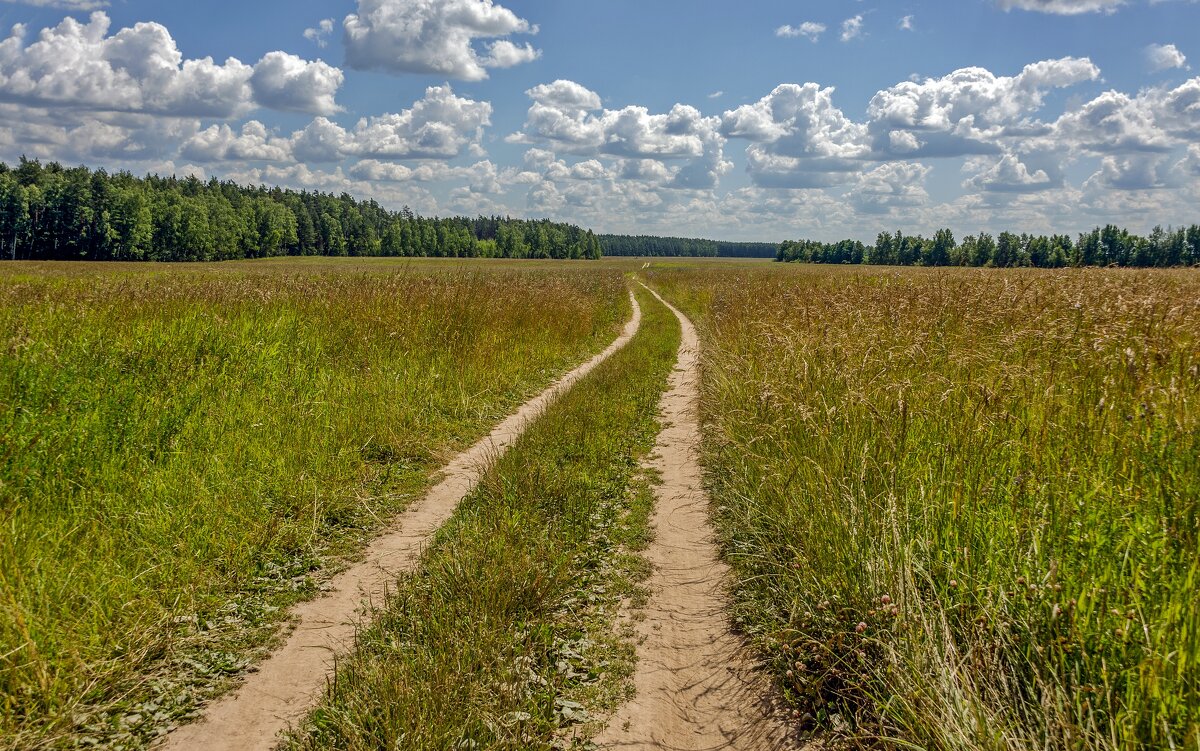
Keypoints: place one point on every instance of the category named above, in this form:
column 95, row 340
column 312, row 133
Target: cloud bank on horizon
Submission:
column 473, row 106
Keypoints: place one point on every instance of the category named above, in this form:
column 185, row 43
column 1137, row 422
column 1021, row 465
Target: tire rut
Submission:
column 696, row 685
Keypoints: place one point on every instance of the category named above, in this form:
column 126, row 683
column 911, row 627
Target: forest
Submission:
column 48, row 212
column 1110, row 246
column 649, row 245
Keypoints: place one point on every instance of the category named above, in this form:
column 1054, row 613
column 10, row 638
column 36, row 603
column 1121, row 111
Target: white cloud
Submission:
column 1165, row 57
column 1007, row 175
column 505, row 54
column 1063, row 7
column 889, row 187
column 285, row 82
column 434, row 36
column 966, row 111
column 810, row 29
column 852, row 28
column 319, row 34
column 1112, row 122
column 1154, row 120
column 140, row 69
column 799, row 138
column 908, row 23
column 716, row 95
column 569, row 117
column 441, row 125
column 1129, row 172
column 221, row 143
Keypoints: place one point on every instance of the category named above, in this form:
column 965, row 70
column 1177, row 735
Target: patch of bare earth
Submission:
column 290, row 681
column 696, row 685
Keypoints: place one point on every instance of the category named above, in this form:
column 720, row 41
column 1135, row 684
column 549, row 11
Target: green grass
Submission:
column 962, row 507
column 504, row 638
column 186, row 451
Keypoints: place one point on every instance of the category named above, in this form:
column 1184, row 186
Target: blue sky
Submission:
column 751, row 120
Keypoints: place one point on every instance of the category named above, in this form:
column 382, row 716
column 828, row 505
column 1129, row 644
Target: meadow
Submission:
column 186, row 450
column 962, row 506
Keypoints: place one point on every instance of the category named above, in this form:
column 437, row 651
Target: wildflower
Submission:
column 861, row 627
column 886, row 600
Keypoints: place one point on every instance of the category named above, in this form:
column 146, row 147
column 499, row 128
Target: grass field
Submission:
column 184, row 451
column 505, row 633
column 962, row 506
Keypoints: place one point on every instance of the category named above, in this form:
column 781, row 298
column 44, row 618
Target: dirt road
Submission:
column 696, row 687
column 290, row 681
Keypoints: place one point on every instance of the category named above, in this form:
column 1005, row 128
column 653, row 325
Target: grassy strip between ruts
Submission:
column 504, row 638
column 184, row 452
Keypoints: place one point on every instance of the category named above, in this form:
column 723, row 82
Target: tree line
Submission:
column 1107, row 246
column 649, row 245
column 48, row 212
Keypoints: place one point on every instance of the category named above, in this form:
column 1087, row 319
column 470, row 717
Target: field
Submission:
column 187, row 451
column 961, row 507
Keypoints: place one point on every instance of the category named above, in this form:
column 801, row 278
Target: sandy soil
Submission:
column 696, row 686
column 290, row 681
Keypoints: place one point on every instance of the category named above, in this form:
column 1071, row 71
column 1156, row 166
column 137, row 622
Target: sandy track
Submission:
column 290, row 681
column 696, row 686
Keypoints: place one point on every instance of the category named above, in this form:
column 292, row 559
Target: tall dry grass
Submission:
column 185, row 452
column 962, row 506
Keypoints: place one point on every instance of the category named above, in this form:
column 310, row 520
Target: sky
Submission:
column 756, row 120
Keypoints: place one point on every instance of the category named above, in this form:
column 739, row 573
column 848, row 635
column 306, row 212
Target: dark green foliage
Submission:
column 48, row 212
column 1111, row 246
column 647, row 245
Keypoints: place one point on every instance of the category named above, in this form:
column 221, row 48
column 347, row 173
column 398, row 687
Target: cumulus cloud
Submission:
column 140, row 69
column 1007, row 175
column 1153, row 120
column 1165, row 57
column 66, row 135
column 569, row 117
column 810, row 29
column 286, row 82
column 852, row 28
column 907, row 23
column 966, row 111
column 319, row 34
column 798, row 137
column 1063, row 7
column 1129, row 172
column 890, row 186
column 505, row 54
column 434, row 36
column 253, row 143
column 439, row 126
